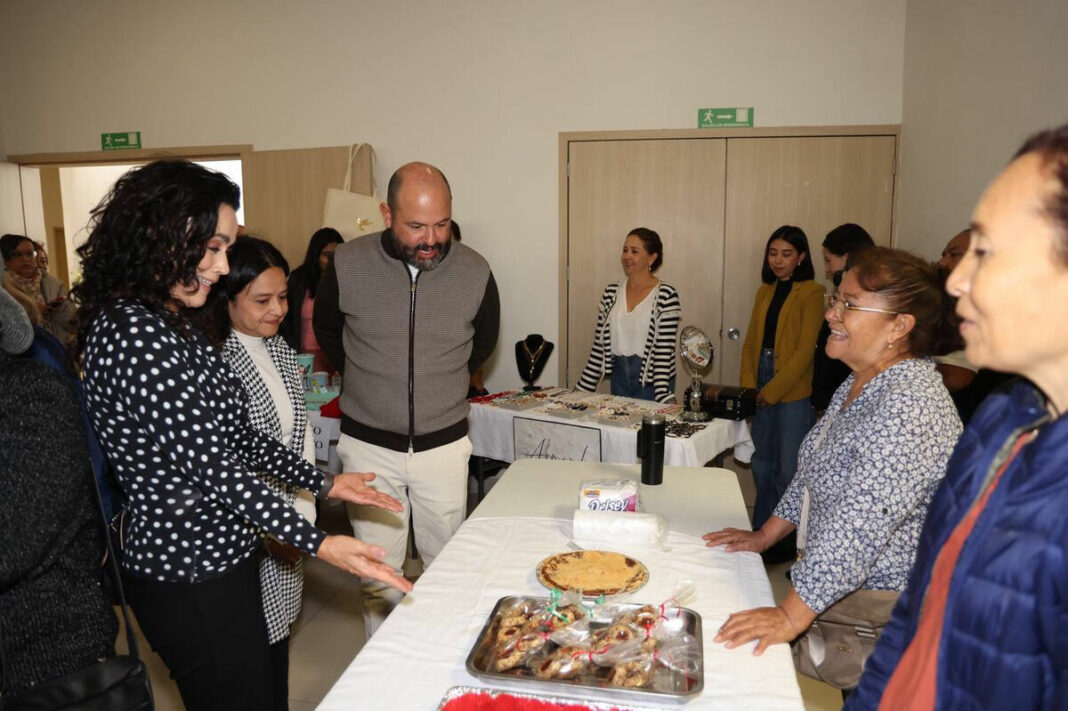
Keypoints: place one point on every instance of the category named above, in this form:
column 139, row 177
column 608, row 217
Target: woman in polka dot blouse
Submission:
column 173, row 419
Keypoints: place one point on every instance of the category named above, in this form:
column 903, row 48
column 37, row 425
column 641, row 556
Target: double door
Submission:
column 714, row 202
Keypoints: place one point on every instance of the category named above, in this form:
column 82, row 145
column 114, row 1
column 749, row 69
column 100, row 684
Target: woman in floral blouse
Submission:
column 873, row 462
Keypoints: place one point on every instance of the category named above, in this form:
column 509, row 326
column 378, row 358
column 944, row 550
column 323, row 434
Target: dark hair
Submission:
column 652, row 244
column 397, row 180
column 149, row 233
column 9, row 243
column 455, row 229
column 249, row 257
column 910, row 285
column 847, row 239
column 795, row 236
column 322, row 237
column 1052, row 146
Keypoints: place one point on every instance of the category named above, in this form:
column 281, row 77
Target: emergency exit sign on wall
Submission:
column 120, row 141
column 725, row 118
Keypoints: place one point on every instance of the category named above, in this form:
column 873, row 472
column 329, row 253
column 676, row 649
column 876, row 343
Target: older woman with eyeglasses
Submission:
column 870, row 466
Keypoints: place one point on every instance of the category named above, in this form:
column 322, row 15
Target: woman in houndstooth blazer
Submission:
column 242, row 317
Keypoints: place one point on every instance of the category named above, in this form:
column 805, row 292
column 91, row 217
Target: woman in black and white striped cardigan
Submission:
column 646, row 321
column 243, row 316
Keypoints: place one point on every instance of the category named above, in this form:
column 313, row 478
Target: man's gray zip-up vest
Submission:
column 407, row 343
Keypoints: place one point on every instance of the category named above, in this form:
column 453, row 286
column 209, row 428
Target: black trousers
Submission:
column 212, row 635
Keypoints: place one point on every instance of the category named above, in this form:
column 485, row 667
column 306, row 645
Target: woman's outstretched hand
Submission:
column 352, row 486
column 361, row 559
column 767, row 625
column 737, row 539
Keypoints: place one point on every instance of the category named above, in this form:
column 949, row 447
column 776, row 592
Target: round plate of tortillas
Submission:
column 593, row 573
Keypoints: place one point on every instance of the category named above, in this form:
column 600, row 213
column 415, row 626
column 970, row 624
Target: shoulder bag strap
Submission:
column 354, row 149
column 131, row 640
column 802, row 524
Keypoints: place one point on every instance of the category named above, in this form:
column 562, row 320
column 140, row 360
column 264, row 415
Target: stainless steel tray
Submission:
column 667, row 686
column 458, row 692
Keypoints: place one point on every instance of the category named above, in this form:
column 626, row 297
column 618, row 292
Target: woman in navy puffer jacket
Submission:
column 983, row 623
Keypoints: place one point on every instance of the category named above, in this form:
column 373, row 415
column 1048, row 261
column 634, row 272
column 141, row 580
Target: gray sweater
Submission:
column 54, row 615
column 408, row 345
column 16, row 331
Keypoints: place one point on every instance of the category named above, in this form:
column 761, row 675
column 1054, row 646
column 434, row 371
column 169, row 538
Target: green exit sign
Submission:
column 120, row 141
column 725, row 118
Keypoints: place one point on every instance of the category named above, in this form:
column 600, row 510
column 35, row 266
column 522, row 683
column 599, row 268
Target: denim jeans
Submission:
column 627, row 378
column 777, row 433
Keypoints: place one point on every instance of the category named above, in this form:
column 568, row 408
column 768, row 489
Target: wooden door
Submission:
column 284, row 192
column 675, row 187
column 816, row 183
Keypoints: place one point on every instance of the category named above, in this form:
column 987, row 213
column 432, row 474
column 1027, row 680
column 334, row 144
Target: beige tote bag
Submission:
column 353, row 214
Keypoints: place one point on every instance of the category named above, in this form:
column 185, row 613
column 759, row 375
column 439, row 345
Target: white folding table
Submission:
column 420, row 650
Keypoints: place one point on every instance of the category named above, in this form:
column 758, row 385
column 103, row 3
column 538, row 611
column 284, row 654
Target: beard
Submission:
column 412, row 256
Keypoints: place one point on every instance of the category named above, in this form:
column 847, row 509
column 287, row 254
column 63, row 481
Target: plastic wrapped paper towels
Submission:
column 614, row 495
column 620, row 528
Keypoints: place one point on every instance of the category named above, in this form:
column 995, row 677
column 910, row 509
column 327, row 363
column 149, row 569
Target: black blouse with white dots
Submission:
column 173, row 421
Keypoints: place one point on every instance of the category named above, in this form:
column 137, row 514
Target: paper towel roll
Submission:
column 620, row 528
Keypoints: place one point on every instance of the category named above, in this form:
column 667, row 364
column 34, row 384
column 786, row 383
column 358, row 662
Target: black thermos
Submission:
column 651, row 448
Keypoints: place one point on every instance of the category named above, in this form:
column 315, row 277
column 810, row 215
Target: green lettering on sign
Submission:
column 725, row 118
column 120, row 141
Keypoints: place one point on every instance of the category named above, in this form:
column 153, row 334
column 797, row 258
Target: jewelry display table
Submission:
column 497, row 432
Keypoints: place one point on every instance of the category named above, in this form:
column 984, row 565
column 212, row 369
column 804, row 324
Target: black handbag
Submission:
column 118, row 683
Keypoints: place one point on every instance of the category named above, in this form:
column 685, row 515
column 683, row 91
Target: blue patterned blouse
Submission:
column 871, row 480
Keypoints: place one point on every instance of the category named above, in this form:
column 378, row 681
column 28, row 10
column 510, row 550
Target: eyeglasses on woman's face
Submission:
column 840, row 306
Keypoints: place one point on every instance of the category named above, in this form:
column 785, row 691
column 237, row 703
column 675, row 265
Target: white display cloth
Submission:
column 491, row 433
column 420, row 650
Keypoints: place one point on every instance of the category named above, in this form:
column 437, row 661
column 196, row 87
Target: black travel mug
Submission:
column 651, row 448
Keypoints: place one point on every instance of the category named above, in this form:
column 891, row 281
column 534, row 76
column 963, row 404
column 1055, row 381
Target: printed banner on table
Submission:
column 538, row 439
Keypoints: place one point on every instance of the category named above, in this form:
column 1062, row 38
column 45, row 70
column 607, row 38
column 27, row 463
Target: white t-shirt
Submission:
column 629, row 331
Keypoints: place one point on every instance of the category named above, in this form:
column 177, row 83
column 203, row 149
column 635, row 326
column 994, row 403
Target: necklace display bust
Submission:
column 531, row 355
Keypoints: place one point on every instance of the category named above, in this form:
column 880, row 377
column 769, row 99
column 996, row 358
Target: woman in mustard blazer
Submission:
column 777, row 358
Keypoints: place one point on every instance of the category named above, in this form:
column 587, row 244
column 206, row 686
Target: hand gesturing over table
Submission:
column 352, row 486
column 351, row 554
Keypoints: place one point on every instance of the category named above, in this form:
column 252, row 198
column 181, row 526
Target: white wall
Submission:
column 33, row 204
column 11, row 219
column 980, row 76
column 81, row 189
column 480, row 87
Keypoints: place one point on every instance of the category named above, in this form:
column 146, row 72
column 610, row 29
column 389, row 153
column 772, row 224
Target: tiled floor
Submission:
column 330, row 632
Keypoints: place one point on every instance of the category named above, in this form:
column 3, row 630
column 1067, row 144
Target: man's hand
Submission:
column 352, row 486
column 761, row 403
column 737, row 539
column 362, row 560
column 769, row 625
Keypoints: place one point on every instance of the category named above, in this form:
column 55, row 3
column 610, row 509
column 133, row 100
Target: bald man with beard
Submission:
column 408, row 314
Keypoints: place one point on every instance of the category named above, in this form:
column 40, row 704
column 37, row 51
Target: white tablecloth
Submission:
column 491, row 433
column 420, row 650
